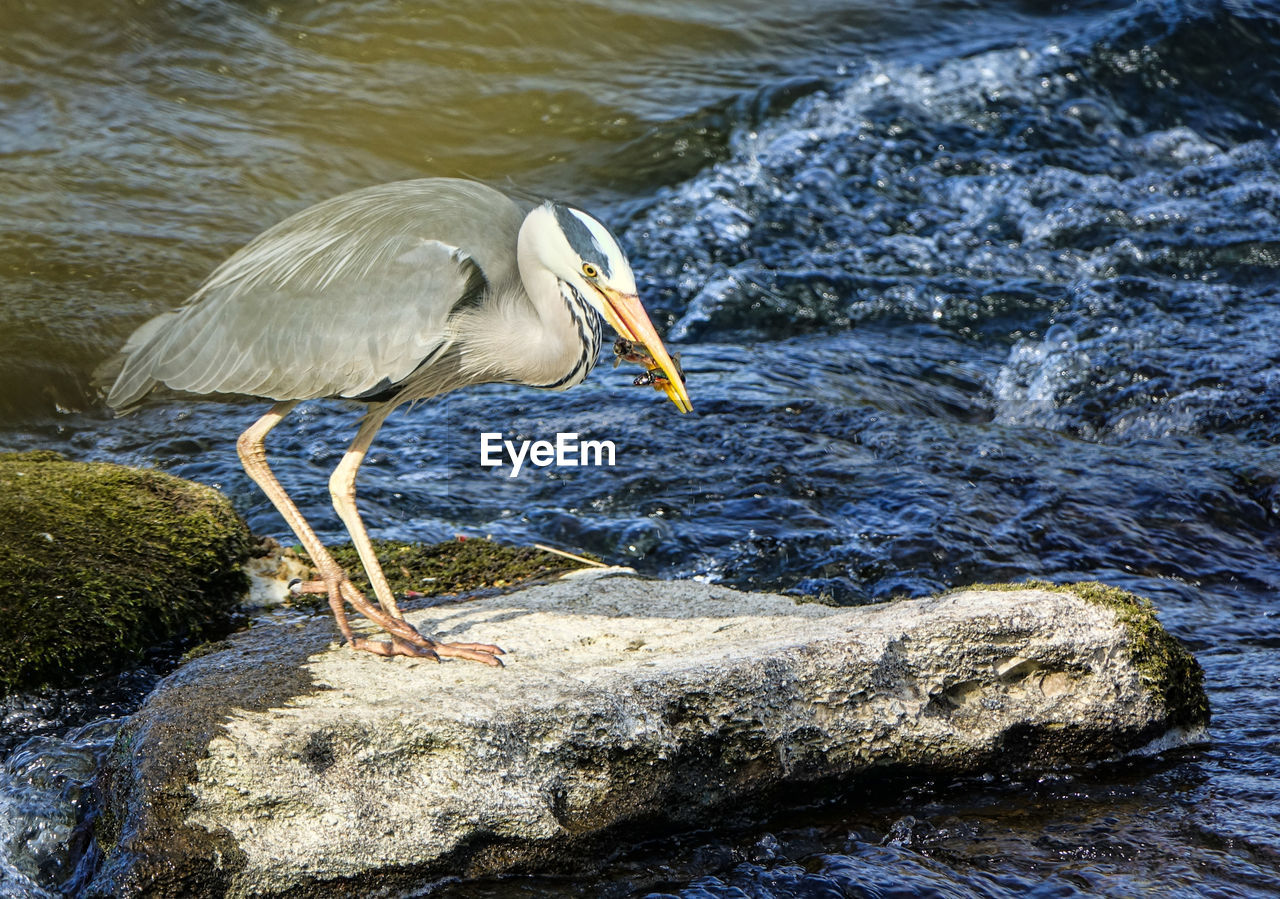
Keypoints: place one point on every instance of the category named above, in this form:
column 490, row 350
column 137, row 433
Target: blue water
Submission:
column 996, row 305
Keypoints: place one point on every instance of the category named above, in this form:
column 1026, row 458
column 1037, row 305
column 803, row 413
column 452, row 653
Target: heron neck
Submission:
column 569, row 338
column 540, row 282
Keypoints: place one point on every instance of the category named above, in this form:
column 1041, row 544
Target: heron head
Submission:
column 580, row 251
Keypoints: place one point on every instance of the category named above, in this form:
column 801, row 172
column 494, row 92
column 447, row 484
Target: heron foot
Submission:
column 483, row 653
column 396, row 647
column 406, row 640
column 340, row 591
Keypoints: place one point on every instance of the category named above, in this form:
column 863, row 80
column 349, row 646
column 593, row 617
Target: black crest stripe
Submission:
column 584, row 243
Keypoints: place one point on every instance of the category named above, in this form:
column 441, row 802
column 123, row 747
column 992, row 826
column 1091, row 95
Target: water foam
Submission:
column 1009, row 196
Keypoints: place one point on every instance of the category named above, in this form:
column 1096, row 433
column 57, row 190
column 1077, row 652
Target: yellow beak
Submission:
column 627, row 316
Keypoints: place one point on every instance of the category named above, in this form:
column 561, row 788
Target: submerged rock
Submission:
column 99, row 563
column 287, row 765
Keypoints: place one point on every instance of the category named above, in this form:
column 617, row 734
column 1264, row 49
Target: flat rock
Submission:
column 285, row 764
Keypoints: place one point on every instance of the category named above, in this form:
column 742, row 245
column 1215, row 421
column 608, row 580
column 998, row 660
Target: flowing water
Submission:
column 966, row 291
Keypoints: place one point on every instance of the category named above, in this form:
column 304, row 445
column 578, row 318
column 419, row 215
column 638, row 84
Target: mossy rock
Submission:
column 99, row 563
column 1167, row 668
column 455, row 566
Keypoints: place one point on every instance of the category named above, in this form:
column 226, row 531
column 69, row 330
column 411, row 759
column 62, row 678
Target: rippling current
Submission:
column 966, row 292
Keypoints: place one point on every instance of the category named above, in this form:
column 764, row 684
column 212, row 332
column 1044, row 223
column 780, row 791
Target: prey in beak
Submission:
column 639, row 342
column 626, row 351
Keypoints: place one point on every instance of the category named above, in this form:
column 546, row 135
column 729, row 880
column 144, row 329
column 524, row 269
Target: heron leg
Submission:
column 342, row 488
column 253, row 456
column 252, row 449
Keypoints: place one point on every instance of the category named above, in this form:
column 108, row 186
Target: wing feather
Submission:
column 346, row 296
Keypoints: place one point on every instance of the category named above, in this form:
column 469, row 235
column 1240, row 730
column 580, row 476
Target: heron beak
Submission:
column 626, row 315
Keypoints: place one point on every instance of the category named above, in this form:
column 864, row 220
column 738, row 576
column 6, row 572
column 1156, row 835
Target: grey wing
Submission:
column 342, row 299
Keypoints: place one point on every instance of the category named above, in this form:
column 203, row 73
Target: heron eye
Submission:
column 589, row 270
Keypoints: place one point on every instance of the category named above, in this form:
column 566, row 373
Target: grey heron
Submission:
column 387, row 295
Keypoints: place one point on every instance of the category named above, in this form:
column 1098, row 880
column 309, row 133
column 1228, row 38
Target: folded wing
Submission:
column 342, row 299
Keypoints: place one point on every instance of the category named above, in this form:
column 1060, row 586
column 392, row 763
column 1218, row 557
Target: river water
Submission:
column 966, row 291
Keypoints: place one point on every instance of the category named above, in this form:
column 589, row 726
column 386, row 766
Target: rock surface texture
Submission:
column 285, row 765
column 100, row 563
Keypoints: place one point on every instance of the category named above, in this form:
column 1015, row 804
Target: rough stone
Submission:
column 285, row 765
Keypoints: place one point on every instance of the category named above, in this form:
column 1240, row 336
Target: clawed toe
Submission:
column 396, row 647
column 484, row 653
column 478, row 647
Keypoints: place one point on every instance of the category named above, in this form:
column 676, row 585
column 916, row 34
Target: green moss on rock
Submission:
column 100, row 562
column 1166, row 667
column 456, row 566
